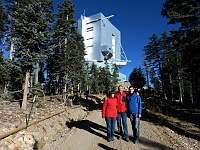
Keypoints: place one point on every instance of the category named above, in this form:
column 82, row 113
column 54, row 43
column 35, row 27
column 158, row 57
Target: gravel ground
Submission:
column 90, row 134
column 80, row 129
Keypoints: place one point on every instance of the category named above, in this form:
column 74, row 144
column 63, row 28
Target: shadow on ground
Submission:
column 105, row 147
column 155, row 145
column 91, row 102
column 150, row 117
column 88, row 126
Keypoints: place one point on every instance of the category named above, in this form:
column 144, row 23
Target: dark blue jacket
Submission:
column 134, row 103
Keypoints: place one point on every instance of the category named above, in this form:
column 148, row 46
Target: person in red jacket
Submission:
column 121, row 111
column 109, row 112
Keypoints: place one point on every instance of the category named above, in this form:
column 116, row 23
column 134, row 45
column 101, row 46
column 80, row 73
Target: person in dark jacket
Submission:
column 134, row 106
column 121, row 113
column 109, row 112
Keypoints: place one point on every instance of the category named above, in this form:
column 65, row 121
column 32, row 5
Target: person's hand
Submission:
column 139, row 115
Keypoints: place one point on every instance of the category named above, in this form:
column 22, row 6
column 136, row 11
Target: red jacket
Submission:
column 110, row 108
column 121, row 105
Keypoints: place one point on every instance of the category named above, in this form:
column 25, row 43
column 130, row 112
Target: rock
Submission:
column 35, row 136
column 23, row 144
column 28, row 137
column 2, row 142
column 20, row 139
column 11, row 146
column 18, row 144
column 4, row 148
column 8, row 142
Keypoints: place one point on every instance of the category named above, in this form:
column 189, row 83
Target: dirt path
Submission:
column 90, row 134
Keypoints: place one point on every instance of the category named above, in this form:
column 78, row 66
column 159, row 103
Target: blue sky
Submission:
column 137, row 20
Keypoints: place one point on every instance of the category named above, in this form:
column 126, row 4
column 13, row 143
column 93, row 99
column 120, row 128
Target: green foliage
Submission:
column 2, row 19
column 30, row 25
column 93, row 79
column 102, row 79
column 53, row 42
column 154, row 80
column 3, row 64
column 65, row 64
column 174, row 60
column 137, row 78
column 115, row 78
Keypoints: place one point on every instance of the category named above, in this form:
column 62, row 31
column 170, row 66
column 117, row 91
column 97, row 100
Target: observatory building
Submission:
column 102, row 41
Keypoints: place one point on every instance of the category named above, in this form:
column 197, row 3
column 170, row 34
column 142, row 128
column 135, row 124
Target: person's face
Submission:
column 121, row 89
column 131, row 90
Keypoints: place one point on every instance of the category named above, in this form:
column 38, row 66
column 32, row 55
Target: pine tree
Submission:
column 94, row 79
column 67, row 58
column 168, row 62
column 154, row 80
column 154, row 55
column 186, row 13
column 29, row 25
column 137, row 78
column 2, row 19
column 3, row 70
column 115, row 76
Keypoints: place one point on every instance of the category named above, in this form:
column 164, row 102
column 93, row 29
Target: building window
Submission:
column 89, row 38
column 113, row 45
column 90, row 29
column 90, row 46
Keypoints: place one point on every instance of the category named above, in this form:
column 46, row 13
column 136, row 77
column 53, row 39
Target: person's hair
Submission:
column 111, row 92
column 136, row 90
column 131, row 87
column 119, row 87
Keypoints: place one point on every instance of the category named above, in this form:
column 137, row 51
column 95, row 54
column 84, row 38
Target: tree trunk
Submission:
column 65, row 89
column 57, row 85
column 191, row 93
column 5, row 88
column 36, row 73
column 12, row 49
column 24, row 103
column 171, row 87
column 180, row 89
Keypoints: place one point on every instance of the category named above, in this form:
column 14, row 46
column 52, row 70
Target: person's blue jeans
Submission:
column 135, row 122
column 122, row 116
column 110, row 122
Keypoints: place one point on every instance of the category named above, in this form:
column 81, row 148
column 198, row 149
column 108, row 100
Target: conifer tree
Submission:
column 67, row 58
column 101, row 79
column 2, row 19
column 154, row 55
column 94, row 79
column 2, row 29
column 29, row 25
column 186, row 13
column 137, row 78
column 115, row 76
column 107, row 78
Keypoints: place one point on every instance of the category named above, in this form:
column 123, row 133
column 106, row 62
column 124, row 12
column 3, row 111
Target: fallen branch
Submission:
column 35, row 122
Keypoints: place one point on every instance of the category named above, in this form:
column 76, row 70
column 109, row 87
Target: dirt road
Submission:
column 90, row 134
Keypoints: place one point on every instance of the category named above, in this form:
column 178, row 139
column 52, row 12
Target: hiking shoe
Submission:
column 127, row 139
column 109, row 140
column 136, row 141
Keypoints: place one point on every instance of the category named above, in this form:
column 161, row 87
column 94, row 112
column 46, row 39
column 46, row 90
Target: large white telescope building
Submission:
column 102, row 41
